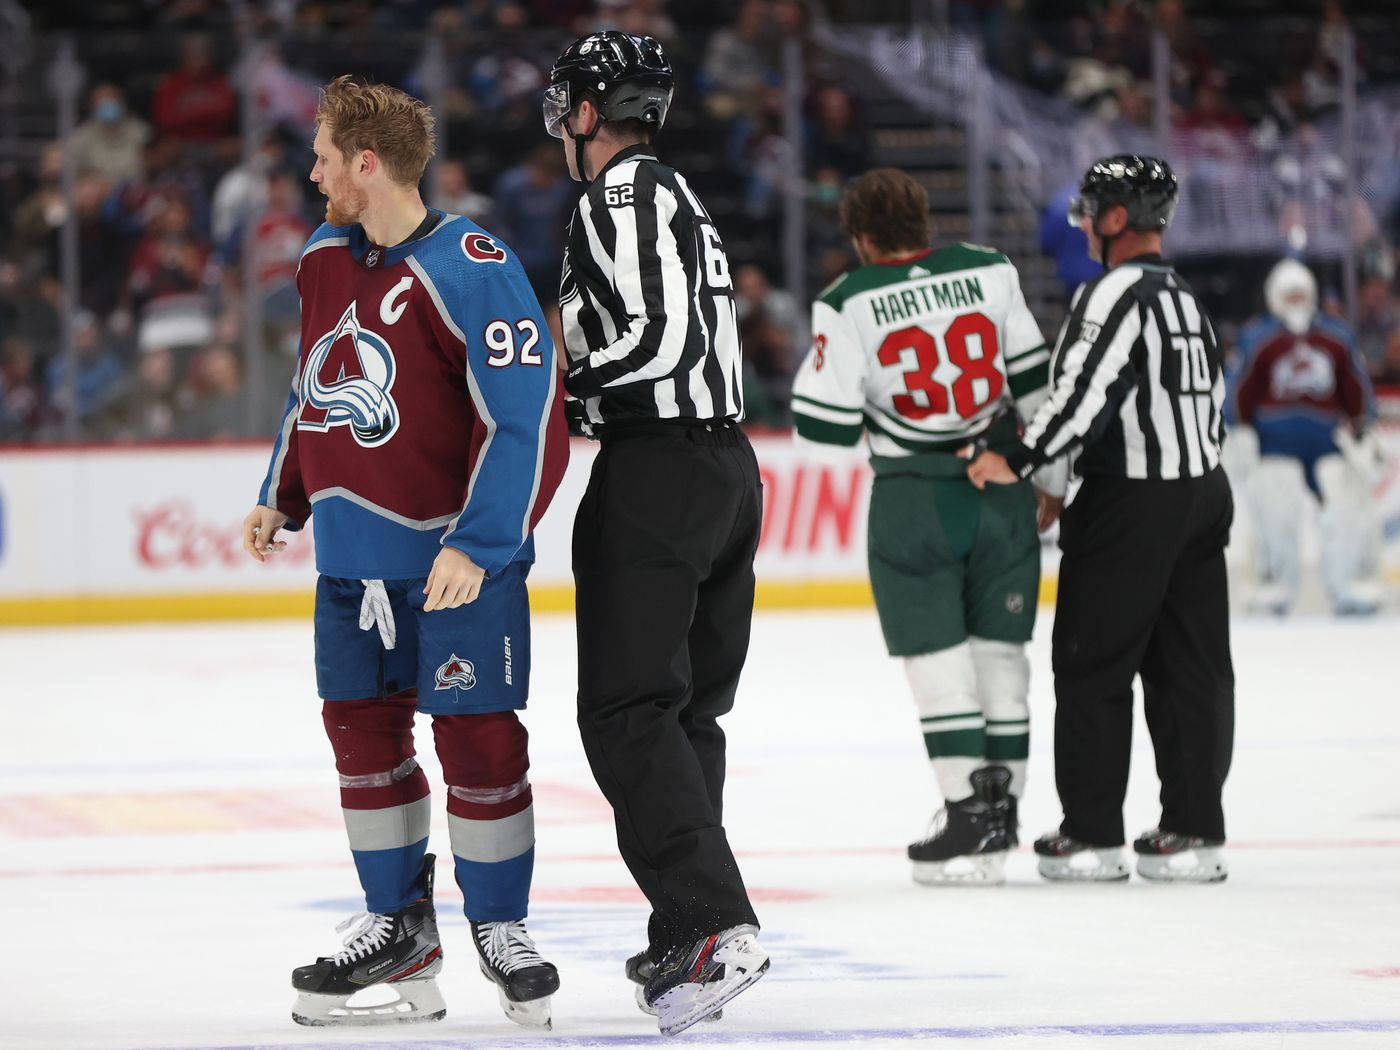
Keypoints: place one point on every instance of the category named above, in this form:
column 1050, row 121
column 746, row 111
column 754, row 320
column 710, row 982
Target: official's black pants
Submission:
column 664, row 545
column 1143, row 592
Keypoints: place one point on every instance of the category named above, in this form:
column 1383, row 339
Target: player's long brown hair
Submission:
column 394, row 125
column 889, row 207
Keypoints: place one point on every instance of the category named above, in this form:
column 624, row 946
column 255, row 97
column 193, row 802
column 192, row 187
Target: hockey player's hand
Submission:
column 1047, row 509
column 260, row 532
column 986, row 466
column 454, row 580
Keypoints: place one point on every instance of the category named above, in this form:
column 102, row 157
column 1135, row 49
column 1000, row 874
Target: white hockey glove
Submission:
column 1363, row 453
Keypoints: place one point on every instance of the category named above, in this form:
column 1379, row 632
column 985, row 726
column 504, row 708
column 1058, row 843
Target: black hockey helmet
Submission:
column 627, row 77
column 1145, row 186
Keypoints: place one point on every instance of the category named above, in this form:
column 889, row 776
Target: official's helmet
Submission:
column 1145, row 186
column 627, row 76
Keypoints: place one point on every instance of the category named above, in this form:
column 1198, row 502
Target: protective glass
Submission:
column 1081, row 208
column 556, row 108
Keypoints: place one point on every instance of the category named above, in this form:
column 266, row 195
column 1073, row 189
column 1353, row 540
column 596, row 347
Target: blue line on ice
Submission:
column 861, row 1035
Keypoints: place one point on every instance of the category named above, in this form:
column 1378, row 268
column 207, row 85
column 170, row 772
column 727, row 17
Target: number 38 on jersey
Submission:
column 919, row 354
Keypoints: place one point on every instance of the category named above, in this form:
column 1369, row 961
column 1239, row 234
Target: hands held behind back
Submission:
column 986, row 466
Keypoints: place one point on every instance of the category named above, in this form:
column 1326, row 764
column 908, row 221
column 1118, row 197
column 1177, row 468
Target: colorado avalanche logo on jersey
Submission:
column 346, row 382
column 1304, row 372
column 456, row 674
column 478, row 247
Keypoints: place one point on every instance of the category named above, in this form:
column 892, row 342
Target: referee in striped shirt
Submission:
column 665, row 537
column 1137, row 397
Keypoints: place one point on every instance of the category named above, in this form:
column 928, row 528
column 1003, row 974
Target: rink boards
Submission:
column 106, row 534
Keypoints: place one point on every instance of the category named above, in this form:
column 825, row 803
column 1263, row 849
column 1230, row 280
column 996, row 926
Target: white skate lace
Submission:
column 508, row 946
column 937, row 824
column 375, row 611
column 367, row 932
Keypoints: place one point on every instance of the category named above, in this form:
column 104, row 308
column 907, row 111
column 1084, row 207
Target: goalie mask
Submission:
column 1290, row 293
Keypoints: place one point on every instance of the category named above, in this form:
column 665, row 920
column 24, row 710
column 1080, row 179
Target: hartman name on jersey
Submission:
column 921, row 355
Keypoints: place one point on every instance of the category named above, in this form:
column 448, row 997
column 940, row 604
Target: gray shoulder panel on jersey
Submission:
column 327, row 242
column 339, row 492
column 436, row 297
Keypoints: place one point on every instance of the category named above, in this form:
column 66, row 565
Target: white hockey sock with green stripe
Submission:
column 1003, row 682
column 945, row 692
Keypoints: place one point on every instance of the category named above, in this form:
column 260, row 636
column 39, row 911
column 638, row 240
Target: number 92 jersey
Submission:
column 920, row 355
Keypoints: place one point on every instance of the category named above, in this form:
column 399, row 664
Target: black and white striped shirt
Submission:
column 1137, row 381
column 646, row 301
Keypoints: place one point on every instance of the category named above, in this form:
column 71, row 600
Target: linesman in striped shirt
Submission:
column 1136, row 398
column 665, row 537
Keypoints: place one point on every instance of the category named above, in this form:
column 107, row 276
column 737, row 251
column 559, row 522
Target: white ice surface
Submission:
column 170, row 847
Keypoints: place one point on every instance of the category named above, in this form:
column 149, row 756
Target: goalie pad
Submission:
column 1351, row 542
column 1276, row 493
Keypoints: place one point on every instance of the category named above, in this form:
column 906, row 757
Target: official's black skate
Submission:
column 1064, row 859
column 640, row 969
column 399, row 953
column 698, row 978
column 969, row 839
column 1165, row 856
column 523, row 980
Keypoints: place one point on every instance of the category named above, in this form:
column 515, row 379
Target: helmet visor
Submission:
column 1081, row 208
column 556, row 107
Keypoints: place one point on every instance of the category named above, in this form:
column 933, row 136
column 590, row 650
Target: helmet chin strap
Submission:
column 1105, row 243
column 580, row 141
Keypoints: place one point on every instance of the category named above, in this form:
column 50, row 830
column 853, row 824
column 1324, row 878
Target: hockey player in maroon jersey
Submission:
column 424, row 438
column 1306, row 416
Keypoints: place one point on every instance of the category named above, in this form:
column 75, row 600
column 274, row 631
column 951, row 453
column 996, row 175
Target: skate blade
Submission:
column 649, row 1010
column 1193, row 865
column 534, row 1013
column 530, row 1013
column 982, row 869
column 1098, row 865
column 415, row 1001
column 688, row 1004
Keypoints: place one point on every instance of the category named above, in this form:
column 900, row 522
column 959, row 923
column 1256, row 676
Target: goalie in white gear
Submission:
column 1301, row 388
column 921, row 352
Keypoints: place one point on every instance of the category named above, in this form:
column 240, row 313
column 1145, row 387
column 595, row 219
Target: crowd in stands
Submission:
column 178, row 224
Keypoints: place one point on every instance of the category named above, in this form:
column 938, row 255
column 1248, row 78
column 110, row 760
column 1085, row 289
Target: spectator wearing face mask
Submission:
column 110, row 142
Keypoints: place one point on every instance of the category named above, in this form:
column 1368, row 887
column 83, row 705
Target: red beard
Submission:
column 347, row 210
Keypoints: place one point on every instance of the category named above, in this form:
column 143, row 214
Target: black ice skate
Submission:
column 695, row 980
column 1165, row 856
column 396, row 955
column 1063, row 859
column 524, row 981
column 969, row 839
column 639, row 970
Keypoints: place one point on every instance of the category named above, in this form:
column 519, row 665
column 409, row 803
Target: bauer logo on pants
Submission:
column 456, row 674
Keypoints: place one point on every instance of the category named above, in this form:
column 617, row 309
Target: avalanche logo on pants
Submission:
column 346, row 382
column 456, row 674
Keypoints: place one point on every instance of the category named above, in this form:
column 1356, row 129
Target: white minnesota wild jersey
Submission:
column 920, row 355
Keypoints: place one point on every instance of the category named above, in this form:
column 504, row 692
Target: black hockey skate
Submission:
column 969, row 839
column 524, row 981
column 695, row 980
column 640, row 969
column 1063, row 859
column 398, row 955
column 1165, row 856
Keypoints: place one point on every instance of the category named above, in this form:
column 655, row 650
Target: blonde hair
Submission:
column 395, row 125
